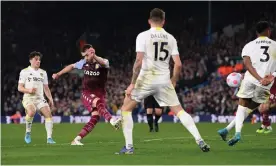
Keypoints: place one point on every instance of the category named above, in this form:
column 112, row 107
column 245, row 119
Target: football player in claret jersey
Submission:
column 33, row 82
column 259, row 57
column 151, row 76
column 265, row 109
column 94, row 80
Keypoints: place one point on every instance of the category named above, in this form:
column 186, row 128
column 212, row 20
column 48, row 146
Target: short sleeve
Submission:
column 246, row 51
column 175, row 48
column 140, row 43
column 79, row 64
column 22, row 77
column 45, row 79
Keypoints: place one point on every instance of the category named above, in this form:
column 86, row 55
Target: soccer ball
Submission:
column 234, row 80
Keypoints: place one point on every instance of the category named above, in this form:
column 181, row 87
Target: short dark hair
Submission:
column 86, row 47
column 157, row 15
column 35, row 53
column 262, row 26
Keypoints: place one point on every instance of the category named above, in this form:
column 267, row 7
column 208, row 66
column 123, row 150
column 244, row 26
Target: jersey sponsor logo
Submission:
column 36, row 79
column 91, row 73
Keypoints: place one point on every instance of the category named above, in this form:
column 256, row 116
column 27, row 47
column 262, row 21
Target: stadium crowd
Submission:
column 202, row 88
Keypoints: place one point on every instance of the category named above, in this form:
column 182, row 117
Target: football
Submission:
column 234, row 79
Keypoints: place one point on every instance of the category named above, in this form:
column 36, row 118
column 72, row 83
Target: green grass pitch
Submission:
column 173, row 145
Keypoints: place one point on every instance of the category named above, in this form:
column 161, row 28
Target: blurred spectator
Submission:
column 202, row 86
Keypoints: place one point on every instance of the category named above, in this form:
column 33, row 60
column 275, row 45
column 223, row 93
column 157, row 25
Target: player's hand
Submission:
column 51, row 103
column 32, row 90
column 173, row 82
column 129, row 90
column 55, row 76
column 93, row 52
column 267, row 80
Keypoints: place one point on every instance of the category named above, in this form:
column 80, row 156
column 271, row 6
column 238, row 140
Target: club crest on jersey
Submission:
column 41, row 74
column 97, row 66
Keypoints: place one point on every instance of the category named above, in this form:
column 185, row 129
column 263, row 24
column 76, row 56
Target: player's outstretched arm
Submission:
column 63, row 71
column 176, row 69
column 101, row 61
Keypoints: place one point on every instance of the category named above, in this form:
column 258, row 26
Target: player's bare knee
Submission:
column 126, row 100
column 47, row 115
column 158, row 111
column 149, row 111
column 30, row 110
column 46, row 112
column 176, row 109
column 129, row 105
column 31, row 113
column 95, row 113
column 94, row 102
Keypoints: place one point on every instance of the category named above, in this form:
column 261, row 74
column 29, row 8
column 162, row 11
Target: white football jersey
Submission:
column 262, row 52
column 32, row 78
column 158, row 46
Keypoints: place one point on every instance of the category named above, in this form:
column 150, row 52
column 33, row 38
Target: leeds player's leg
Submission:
column 30, row 112
column 250, row 97
column 168, row 97
column 127, row 125
column 46, row 112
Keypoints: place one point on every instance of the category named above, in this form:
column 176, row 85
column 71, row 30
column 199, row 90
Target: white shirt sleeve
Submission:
column 246, row 50
column 175, row 48
column 22, row 77
column 140, row 43
column 79, row 64
column 45, row 79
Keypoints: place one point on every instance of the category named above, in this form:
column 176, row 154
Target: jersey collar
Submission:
column 32, row 69
column 262, row 37
column 156, row 28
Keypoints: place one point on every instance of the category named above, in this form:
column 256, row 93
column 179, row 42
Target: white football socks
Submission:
column 240, row 116
column 233, row 122
column 127, row 128
column 49, row 127
column 29, row 121
column 189, row 123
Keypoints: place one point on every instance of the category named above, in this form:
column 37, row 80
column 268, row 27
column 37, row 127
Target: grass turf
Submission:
column 172, row 145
